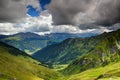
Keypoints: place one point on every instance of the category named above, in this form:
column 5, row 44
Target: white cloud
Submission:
column 28, row 24
column 43, row 25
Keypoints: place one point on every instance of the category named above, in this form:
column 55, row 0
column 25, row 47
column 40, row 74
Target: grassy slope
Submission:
column 109, row 72
column 105, row 52
column 15, row 64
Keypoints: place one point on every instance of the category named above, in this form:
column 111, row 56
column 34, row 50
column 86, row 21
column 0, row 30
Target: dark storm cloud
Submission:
column 14, row 10
column 76, row 12
column 11, row 10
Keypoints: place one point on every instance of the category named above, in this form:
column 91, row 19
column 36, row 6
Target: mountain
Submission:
column 28, row 42
column 17, row 65
column 31, row 42
column 3, row 36
column 92, row 58
column 67, row 50
column 105, row 53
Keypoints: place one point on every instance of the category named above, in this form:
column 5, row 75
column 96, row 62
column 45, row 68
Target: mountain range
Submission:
column 91, row 58
column 104, row 53
column 31, row 42
column 96, row 53
column 67, row 50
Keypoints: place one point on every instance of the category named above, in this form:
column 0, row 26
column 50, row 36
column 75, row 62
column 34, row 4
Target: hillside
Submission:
column 68, row 50
column 106, row 52
column 109, row 72
column 17, row 65
column 31, row 42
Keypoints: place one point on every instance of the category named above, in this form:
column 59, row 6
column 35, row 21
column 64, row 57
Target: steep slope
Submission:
column 106, row 52
column 31, row 42
column 109, row 72
column 68, row 50
column 17, row 65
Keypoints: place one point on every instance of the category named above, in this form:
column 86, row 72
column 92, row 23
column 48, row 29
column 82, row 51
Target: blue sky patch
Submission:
column 43, row 3
column 33, row 11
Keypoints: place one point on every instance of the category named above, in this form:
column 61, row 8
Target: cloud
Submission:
column 43, row 25
column 9, row 28
column 77, row 12
column 15, row 10
column 29, row 24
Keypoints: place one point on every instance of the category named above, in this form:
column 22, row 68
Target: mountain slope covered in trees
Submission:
column 68, row 50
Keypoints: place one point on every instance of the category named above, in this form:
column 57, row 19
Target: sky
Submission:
column 59, row 16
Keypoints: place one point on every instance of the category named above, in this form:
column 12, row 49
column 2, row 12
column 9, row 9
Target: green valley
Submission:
column 92, row 58
column 59, row 39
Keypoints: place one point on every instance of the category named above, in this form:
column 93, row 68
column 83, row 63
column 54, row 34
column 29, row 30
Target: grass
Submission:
column 16, row 38
column 59, row 67
column 21, row 67
column 109, row 72
column 31, row 53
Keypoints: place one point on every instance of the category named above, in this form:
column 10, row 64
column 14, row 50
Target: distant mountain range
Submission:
column 31, row 42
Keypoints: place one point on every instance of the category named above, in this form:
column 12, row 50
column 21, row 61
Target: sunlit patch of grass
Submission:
column 31, row 53
column 112, row 78
column 111, row 71
column 60, row 67
column 16, row 38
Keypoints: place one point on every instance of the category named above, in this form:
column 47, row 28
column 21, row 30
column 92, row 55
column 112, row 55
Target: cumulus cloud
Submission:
column 14, row 10
column 43, row 25
column 29, row 24
column 77, row 12
column 9, row 28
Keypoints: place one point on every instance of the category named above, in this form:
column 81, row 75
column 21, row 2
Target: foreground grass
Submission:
column 21, row 67
column 110, row 72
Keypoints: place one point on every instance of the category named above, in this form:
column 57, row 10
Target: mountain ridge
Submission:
column 32, row 42
column 61, row 53
column 106, row 52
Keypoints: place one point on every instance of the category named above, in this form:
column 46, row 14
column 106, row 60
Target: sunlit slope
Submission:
column 109, row 72
column 16, row 65
column 106, row 52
